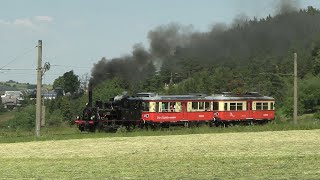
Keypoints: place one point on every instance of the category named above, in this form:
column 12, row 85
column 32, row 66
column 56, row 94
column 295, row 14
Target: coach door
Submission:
column 184, row 111
column 249, row 110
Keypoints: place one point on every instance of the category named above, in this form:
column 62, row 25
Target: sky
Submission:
column 76, row 34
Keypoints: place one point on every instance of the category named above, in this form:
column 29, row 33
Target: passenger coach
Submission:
column 225, row 108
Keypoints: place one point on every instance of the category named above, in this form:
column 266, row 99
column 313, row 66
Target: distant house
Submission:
column 12, row 98
column 48, row 94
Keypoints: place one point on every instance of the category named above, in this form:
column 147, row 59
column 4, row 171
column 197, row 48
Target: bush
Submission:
column 122, row 130
column 2, row 109
column 24, row 118
column 316, row 116
column 55, row 118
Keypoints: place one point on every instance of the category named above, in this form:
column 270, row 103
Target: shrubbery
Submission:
column 24, row 118
column 55, row 118
column 317, row 116
column 2, row 109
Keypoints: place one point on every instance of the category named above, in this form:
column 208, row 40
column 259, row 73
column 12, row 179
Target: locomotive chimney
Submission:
column 90, row 95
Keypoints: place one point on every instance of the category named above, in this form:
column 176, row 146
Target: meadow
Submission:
column 292, row 154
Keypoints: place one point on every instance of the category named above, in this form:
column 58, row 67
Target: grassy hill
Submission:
column 16, row 86
column 250, row 155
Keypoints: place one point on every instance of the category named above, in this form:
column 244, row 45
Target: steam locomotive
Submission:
column 151, row 110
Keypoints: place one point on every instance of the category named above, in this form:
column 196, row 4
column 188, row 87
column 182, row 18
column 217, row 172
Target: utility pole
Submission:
column 39, row 89
column 295, row 91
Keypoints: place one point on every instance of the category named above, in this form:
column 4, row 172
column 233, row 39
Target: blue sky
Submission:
column 78, row 33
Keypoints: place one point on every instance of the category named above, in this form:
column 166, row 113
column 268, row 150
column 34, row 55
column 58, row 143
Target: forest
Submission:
column 252, row 55
column 249, row 55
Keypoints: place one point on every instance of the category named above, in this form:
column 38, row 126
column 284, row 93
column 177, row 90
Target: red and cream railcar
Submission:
column 217, row 109
column 250, row 107
column 177, row 108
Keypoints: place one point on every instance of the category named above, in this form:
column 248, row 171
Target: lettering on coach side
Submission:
column 166, row 117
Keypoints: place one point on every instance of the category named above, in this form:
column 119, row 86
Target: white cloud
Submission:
column 43, row 18
column 35, row 23
column 24, row 22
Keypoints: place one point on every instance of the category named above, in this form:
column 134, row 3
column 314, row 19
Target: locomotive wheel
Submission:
column 211, row 123
column 81, row 128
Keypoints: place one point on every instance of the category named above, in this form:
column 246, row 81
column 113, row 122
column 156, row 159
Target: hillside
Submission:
column 249, row 55
column 254, row 155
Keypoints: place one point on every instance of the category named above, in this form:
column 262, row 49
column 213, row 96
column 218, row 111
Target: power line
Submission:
column 17, row 69
column 70, row 66
column 15, row 58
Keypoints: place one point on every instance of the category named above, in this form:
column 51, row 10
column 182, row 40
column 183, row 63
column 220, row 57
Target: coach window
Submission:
column 194, row 106
column 165, row 106
column 215, row 106
column 201, row 106
column 172, row 106
column 177, row 107
column 226, row 106
column 265, row 106
column 233, row 106
column 271, row 106
column 145, row 106
column 239, row 106
column 258, row 106
column 207, row 106
column 136, row 105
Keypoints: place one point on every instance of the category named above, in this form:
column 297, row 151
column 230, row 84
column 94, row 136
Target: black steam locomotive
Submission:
column 110, row 115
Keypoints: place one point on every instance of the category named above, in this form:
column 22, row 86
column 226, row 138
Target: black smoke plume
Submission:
column 136, row 66
column 245, row 38
column 287, row 6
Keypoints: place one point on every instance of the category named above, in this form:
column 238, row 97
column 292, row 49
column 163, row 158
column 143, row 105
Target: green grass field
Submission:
column 6, row 116
column 241, row 155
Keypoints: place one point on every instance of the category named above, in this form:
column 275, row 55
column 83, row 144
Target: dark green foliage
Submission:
column 69, row 82
column 308, row 96
column 316, row 61
column 63, row 109
column 316, row 116
column 24, row 118
column 66, row 110
column 2, row 109
column 309, row 93
column 109, row 89
column 54, row 118
column 7, row 87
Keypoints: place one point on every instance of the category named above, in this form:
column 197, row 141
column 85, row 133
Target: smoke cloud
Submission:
column 243, row 39
column 287, row 6
column 136, row 66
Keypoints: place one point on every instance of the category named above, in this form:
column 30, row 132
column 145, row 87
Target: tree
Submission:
column 69, row 82
column 108, row 89
column 316, row 61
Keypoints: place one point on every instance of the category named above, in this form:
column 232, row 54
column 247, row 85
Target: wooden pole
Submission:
column 39, row 84
column 295, row 91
